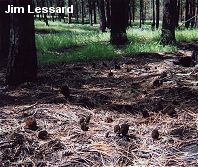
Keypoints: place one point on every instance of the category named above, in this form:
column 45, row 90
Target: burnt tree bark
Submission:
column 101, row 11
column 168, row 25
column 22, row 59
column 118, row 22
column 4, row 29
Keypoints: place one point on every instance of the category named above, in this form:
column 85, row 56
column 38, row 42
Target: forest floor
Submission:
column 130, row 95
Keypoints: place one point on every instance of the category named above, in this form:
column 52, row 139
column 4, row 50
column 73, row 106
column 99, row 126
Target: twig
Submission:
column 187, row 21
column 27, row 108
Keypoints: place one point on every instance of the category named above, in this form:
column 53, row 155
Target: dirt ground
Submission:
column 146, row 91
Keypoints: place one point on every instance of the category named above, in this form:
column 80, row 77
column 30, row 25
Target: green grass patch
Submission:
column 186, row 35
column 86, row 53
column 62, row 42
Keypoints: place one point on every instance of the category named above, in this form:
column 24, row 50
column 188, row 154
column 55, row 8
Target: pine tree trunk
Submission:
column 157, row 14
column 94, row 11
column 153, row 14
column 177, row 14
column 76, row 6
column 22, row 59
column 127, row 10
column 82, row 11
column 192, row 13
column 133, row 9
column 4, row 29
column 196, row 24
column 168, row 25
column 141, row 13
column 108, row 15
column 90, row 13
column 102, row 15
column 69, row 14
column 187, row 14
column 118, row 22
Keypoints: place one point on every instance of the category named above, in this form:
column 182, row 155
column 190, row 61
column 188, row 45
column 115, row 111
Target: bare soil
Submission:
column 148, row 92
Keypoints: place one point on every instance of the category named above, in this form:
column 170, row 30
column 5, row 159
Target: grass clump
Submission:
column 146, row 41
column 55, row 41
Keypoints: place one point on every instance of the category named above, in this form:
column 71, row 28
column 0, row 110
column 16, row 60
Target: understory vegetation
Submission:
column 61, row 42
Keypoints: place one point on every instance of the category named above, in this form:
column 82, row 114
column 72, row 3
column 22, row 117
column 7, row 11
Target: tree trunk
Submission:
column 52, row 14
column 118, row 22
column 127, row 10
column 177, row 14
column 108, row 14
column 130, row 15
column 45, row 14
column 168, row 25
column 192, row 13
column 82, row 11
column 153, row 14
column 94, row 11
column 133, row 9
column 141, row 13
column 60, row 3
column 22, row 59
column 187, row 14
column 157, row 14
column 144, row 15
column 76, row 6
column 196, row 26
column 69, row 14
column 90, row 13
column 102, row 15
column 4, row 29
